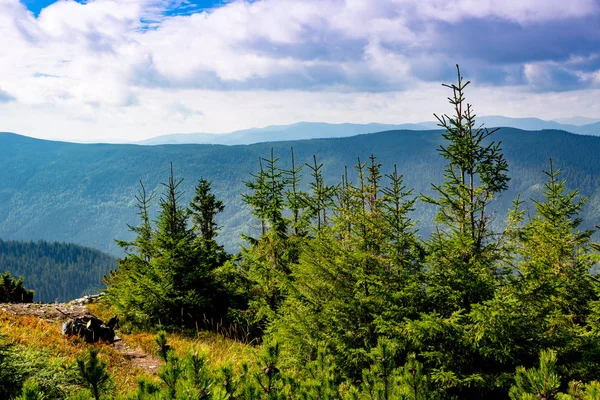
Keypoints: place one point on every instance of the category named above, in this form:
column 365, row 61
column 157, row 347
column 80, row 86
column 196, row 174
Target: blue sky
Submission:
column 130, row 69
column 185, row 7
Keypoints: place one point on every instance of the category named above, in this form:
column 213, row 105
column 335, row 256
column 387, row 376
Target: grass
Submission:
column 32, row 332
column 219, row 350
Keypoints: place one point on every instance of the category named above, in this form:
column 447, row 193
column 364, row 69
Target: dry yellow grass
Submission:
column 219, row 350
column 32, row 332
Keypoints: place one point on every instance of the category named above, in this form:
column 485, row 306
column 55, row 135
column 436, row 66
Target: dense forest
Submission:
column 56, row 271
column 343, row 298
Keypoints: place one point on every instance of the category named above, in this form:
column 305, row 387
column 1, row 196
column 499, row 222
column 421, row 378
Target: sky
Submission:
column 125, row 70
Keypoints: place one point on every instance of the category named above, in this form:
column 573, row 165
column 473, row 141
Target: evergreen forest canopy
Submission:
column 56, row 271
column 351, row 302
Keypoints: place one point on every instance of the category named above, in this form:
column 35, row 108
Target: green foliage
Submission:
column 31, row 391
column 266, row 264
column 204, row 209
column 13, row 291
column 168, row 273
column 56, row 271
column 163, row 347
column 544, row 383
column 11, row 378
column 30, row 372
column 463, row 249
column 537, row 383
column 354, row 278
column 94, row 375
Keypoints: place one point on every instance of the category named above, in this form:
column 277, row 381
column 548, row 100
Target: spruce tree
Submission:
column 349, row 287
column 265, row 264
column 167, row 273
column 295, row 197
column 94, row 375
column 320, row 197
column 13, row 290
column 463, row 253
column 548, row 302
column 204, row 208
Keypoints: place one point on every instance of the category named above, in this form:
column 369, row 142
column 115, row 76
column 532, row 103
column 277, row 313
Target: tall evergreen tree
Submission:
column 167, row 275
column 349, row 287
column 265, row 265
column 463, row 252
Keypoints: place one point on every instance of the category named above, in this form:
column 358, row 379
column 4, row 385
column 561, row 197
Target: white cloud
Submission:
column 521, row 11
column 100, row 69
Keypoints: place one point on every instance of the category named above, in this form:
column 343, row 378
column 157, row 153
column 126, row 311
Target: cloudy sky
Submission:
column 120, row 70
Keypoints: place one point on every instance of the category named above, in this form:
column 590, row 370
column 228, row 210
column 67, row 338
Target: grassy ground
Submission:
column 134, row 356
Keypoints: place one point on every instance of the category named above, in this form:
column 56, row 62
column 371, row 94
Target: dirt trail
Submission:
column 57, row 313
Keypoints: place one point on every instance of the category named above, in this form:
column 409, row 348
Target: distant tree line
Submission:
column 56, row 271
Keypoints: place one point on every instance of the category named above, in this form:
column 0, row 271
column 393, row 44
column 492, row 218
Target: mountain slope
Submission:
column 56, row 271
column 85, row 193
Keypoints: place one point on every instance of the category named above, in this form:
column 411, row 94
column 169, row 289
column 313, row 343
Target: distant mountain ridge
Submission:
column 315, row 130
column 84, row 193
column 274, row 133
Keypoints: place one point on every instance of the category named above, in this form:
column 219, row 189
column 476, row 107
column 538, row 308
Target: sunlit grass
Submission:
column 218, row 349
column 35, row 333
column 32, row 332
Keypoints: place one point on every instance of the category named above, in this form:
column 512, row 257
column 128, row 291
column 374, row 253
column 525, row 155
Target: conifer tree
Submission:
column 265, row 265
column 349, row 287
column 295, row 197
column 13, row 290
column 167, row 273
column 320, row 198
column 142, row 244
column 203, row 209
column 463, row 253
column 548, row 303
column 94, row 375
column 537, row 383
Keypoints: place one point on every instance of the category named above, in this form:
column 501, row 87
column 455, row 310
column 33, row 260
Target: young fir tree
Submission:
column 319, row 199
column 549, row 301
column 540, row 383
column 265, row 265
column 295, row 198
column 349, row 286
column 166, row 275
column 463, row 253
column 13, row 290
column 94, row 374
column 131, row 286
column 204, row 208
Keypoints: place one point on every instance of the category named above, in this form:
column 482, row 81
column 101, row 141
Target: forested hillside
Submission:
column 55, row 271
column 84, row 193
column 337, row 293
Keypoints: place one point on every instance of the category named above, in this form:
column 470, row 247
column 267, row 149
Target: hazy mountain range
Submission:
column 313, row 130
column 84, row 193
